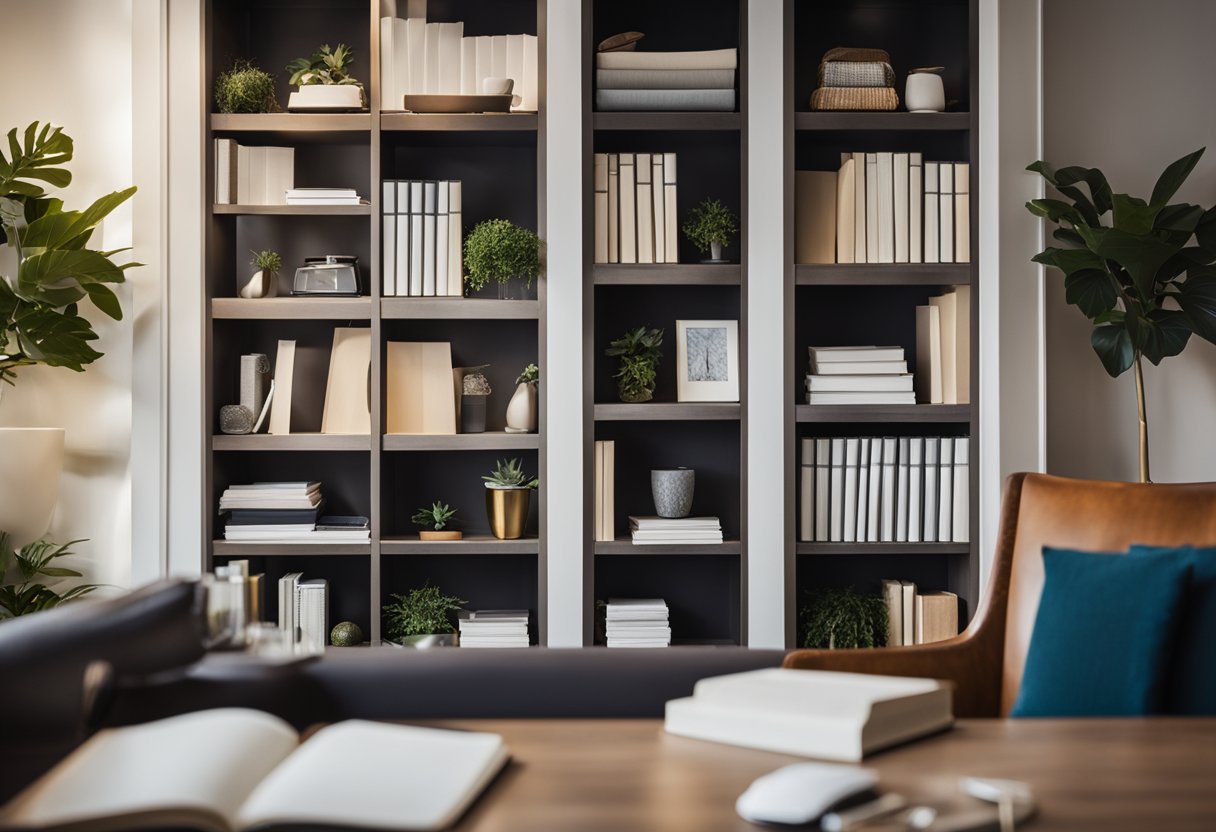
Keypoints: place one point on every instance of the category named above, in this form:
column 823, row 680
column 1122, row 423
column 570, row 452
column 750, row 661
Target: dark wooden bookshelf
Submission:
column 882, row 413
column 291, row 442
column 469, row 309
column 458, row 122
column 495, row 440
column 903, row 274
column 626, row 548
column 468, row 545
column 667, row 412
column 294, row 210
column 668, row 121
column 291, row 309
column 227, row 548
column 666, row 274
column 855, row 122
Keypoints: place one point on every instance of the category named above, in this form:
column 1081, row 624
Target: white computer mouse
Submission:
column 802, row 792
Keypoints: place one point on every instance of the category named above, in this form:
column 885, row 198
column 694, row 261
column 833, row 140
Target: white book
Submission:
column 916, row 486
column 391, row 99
column 861, row 397
column 515, row 68
column 962, row 343
column 628, row 209
column 498, row 56
column 657, row 212
column 962, row 212
column 873, row 229
column 455, row 239
column 601, row 207
column 416, row 239
column 886, row 207
column 442, row 246
column 887, row 501
column 643, row 170
column 450, row 57
column 863, row 490
column 961, row 514
column 404, row 254
column 932, row 205
column 469, row 85
column 287, row 605
column 929, row 491
column 901, row 492
column 531, row 91
column 415, row 39
column 388, row 78
column 671, row 219
column 916, row 208
column 859, row 368
column 284, row 372
column 902, row 212
column 614, row 208
column 806, row 495
column 826, row 355
column 430, row 198
column 928, row 374
column 852, row 459
column 430, row 65
column 811, row 713
column 484, row 58
column 945, row 489
column 911, row 619
column 859, row 208
column 874, row 501
column 836, row 490
column 243, row 175
column 823, row 469
column 225, row 163
column 859, row 383
column 945, row 219
column 312, row 604
column 388, row 243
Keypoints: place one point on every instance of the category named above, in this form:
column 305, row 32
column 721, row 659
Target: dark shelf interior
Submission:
column 702, row 591
column 344, row 477
column 348, row 578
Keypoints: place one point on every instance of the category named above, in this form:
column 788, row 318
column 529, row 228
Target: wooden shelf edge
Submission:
column 291, row 122
column 887, row 274
column 668, row 121
column 240, row 548
column 626, row 547
column 292, row 210
column 667, row 274
column 488, row 441
column 290, row 442
column 402, row 122
column 291, row 308
column 668, row 411
column 471, row 545
column 882, row 121
column 878, row 413
column 454, row 309
column 900, row 549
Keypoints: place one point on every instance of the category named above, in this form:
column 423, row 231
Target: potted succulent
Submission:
column 245, row 88
column 842, row 619
column 54, row 272
column 499, row 251
column 639, row 352
column 508, row 490
column 433, row 521
column 421, row 618
column 475, row 389
column 710, row 227
column 23, row 596
column 521, row 410
column 324, row 81
column 264, row 282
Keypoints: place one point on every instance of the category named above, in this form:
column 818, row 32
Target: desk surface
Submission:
column 601, row 775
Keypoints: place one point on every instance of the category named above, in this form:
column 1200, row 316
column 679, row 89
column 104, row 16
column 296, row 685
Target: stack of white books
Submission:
column 673, row 531
column 323, row 196
column 285, row 512
column 494, row 628
column 859, row 375
column 637, row 622
column 252, row 175
column 423, row 242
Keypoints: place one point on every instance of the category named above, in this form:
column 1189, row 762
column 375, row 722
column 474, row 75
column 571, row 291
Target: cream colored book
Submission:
column 388, row 79
column 962, row 212
column 947, row 308
column 936, row 617
column 232, row 769
column 531, row 91
column 873, row 230
column 916, row 208
column 945, row 219
column 911, row 619
column 902, row 217
column 814, row 216
column 347, row 409
column 601, row 208
column 712, row 59
column 614, row 209
column 962, row 343
column 610, row 489
column 893, row 596
column 420, row 397
column 860, row 254
column 806, row 492
column 450, row 36
column 928, row 355
column 455, row 239
column 658, row 212
column 628, row 209
column 284, row 376
column 430, row 64
column 671, row 219
column 469, row 82
column 643, row 170
column 599, row 490
column 515, row 68
column 886, row 207
column 846, row 195
column 415, row 46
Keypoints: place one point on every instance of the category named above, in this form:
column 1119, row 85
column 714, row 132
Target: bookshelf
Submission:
column 500, row 160
column 704, row 585
column 872, row 304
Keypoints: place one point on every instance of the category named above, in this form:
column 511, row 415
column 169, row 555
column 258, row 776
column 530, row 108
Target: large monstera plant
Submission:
column 40, row 320
column 1146, row 280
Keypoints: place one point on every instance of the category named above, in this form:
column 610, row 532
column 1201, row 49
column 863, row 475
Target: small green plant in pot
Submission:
column 24, row 595
column 325, row 82
column 840, row 619
column 498, row 251
column 710, row 227
column 639, row 352
column 508, row 492
column 422, row 618
column 264, row 282
column 245, row 88
column 521, row 410
column 434, row 521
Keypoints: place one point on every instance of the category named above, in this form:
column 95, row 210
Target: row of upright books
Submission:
column 247, row 175
column 858, row 375
column 423, row 238
column 418, row 57
column 637, row 622
column 943, row 348
column 884, row 208
column 637, row 80
column 286, row 512
column 635, row 208
column 304, row 611
column 915, row 617
column 493, row 628
column 905, row 489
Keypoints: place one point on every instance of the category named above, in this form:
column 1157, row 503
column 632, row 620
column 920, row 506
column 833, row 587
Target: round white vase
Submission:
column 521, row 410
column 31, row 460
column 924, row 92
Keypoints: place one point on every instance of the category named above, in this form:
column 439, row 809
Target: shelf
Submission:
column 623, row 546
column 291, row 442
column 667, row 121
column 232, row 548
column 488, row 441
column 882, row 121
column 300, row 126
column 886, row 274
column 668, row 411
column 293, row 210
column 667, row 274
column 291, row 308
column 950, row 413
column 449, row 309
column 479, row 544
column 901, row 549
column 394, row 122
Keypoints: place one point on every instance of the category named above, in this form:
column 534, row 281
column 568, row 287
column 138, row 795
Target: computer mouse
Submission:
column 802, row 792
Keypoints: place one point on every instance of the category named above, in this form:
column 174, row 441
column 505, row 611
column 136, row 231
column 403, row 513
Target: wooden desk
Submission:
column 628, row 776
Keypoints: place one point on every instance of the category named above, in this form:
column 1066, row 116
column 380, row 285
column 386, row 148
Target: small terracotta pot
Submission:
column 446, row 534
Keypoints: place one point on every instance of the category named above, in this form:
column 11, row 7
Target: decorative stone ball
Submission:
column 346, row 634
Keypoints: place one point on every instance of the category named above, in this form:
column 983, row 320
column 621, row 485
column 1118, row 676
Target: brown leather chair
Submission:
column 985, row 662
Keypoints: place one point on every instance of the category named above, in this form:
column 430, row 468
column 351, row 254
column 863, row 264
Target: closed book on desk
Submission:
column 234, row 769
column 812, row 713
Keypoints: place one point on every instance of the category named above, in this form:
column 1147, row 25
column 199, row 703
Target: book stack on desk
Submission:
column 858, row 375
column 674, row 531
column 637, row 622
column 494, row 628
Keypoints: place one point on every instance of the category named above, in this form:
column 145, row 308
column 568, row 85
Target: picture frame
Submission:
column 707, row 361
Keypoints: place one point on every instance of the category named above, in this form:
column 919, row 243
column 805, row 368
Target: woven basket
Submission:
column 856, row 74
column 849, row 53
column 855, row 98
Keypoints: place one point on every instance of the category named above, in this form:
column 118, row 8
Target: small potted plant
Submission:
column 264, row 282
column 421, row 618
column 508, row 490
column 843, row 619
column 475, row 389
column 433, row 521
column 324, row 81
column 499, row 251
column 711, row 226
column 245, row 88
column 521, row 410
column 639, row 352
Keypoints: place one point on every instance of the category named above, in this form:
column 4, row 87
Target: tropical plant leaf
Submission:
column 1182, row 217
column 1099, row 189
column 1197, row 297
column 59, row 339
column 1133, row 215
column 1142, row 255
column 1163, row 334
column 1069, row 260
column 1067, row 235
column 1055, row 210
column 57, row 277
column 1113, row 345
column 1172, row 177
column 1092, row 291
column 41, row 157
column 58, row 229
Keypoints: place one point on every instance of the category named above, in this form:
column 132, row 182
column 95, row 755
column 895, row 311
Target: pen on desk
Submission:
column 848, row 819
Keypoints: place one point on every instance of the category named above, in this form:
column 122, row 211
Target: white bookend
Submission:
column 484, row 49
column 947, row 313
column 430, row 65
column 657, row 199
column 531, row 91
column 909, row 610
column 901, row 163
column 415, row 39
column 643, row 170
column 401, row 286
column 450, row 57
column 388, row 78
column 628, row 219
column 893, row 595
column 416, row 237
column 836, row 491
column 930, row 489
column 671, row 219
column 614, row 208
column 284, row 374
column 874, row 502
column 916, row 488
column 852, row 457
column 962, row 212
column 859, row 208
column 601, row 208
column 455, row 239
column 391, row 99
column 806, row 496
column 961, row 531
column 945, row 219
column 846, row 193
column 863, row 490
column 932, row 205
column 901, row 492
column 928, row 355
column 887, row 504
column 823, row 470
column 498, row 56
column 886, row 207
column 515, row 68
column 429, row 206
column 945, row 489
column 389, row 244
column 916, row 208
column 962, row 343
column 873, row 230
column 441, row 239
column 468, row 67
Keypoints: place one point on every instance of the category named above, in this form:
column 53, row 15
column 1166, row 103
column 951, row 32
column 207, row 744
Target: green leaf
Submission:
column 1067, row 235
column 1092, row 291
column 59, row 572
column 1055, row 210
column 1182, row 217
column 1142, row 255
column 1133, row 215
column 55, row 277
column 1114, row 347
column 1205, row 231
column 54, row 338
column 1164, row 334
column 1069, row 260
column 1099, row 190
column 104, row 299
column 1197, row 298
column 1173, row 177
column 41, row 158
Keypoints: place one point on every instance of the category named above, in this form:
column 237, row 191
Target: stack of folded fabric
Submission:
column 666, row 80
column 855, row 79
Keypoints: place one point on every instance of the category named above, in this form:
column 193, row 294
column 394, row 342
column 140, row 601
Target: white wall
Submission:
column 1131, row 95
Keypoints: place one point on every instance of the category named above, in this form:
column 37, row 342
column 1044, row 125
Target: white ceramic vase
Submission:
column 261, row 284
column 31, row 460
column 924, row 92
column 521, row 410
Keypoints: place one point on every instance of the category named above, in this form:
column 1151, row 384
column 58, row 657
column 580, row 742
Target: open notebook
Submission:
column 235, row 769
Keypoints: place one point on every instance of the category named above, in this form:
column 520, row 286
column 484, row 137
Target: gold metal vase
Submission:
column 507, row 510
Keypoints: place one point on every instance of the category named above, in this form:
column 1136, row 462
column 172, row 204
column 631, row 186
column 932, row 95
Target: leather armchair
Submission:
column 986, row 660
